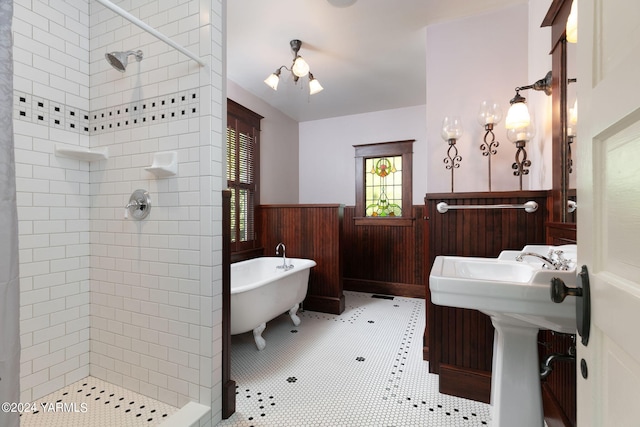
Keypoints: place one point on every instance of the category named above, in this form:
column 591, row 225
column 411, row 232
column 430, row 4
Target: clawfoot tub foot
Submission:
column 294, row 318
column 257, row 336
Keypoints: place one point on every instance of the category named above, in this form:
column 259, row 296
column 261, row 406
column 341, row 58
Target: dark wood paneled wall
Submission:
column 460, row 339
column 385, row 259
column 313, row 232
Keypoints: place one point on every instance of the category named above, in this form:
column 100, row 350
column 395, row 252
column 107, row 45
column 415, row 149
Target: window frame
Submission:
column 363, row 152
column 240, row 118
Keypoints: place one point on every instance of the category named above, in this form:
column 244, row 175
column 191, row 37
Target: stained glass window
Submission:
column 383, row 186
column 383, row 183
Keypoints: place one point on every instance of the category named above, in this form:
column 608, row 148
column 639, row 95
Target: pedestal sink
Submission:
column 516, row 295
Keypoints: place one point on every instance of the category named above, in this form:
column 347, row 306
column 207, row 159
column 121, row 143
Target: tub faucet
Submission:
column 284, row 265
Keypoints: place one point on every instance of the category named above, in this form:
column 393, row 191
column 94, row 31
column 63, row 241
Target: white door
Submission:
column 609, row 209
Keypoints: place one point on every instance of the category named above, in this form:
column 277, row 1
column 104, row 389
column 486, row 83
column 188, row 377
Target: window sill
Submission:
column 384, row 221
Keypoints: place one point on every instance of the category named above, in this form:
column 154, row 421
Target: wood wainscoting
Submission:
column 385, row 259
column 461, row 340
column 313, row 232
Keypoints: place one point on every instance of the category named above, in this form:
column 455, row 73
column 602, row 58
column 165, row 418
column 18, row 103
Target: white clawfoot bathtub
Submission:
column 260, row 291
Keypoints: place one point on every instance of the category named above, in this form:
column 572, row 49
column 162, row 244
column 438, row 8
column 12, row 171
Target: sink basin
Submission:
column 506, row 287
column 516, row 295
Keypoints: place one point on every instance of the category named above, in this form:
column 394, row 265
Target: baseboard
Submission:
column 331, row 305
column 464, row 382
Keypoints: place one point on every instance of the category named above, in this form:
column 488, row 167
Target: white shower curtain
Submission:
column 9, row 282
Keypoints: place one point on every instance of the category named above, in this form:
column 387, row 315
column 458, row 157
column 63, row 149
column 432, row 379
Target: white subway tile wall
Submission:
column 134, row 303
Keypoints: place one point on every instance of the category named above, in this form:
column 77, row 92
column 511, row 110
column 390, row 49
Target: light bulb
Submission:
column 300, row 67
column 518, row 116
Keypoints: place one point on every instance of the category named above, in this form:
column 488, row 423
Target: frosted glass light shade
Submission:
column 572, row 23
column 518, row 116
column 523, row 133
column 300, row 67
column 451, row 128
column 573, row 119
column 272, row 81
column 490, row 113
column 314, row 85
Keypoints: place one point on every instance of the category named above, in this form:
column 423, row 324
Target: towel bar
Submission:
column 529, row 207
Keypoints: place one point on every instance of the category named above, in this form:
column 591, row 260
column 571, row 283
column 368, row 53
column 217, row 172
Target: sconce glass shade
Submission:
column 273, row 80
column 490, row 113
column 451, row 128
column 573, row 119
column 314, row 85
column 523, row 133
column 300, row 67
column 572, row 23
column 518, row 116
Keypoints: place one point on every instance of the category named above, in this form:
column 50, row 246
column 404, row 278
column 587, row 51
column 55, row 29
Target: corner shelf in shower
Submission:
column 164, row 164
column 81, row 153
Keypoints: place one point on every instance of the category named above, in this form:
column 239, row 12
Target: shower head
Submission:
column 118, row 60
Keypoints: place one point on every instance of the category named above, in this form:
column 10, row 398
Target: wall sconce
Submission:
column 518, row 114
column 519, row 124
column 571, row 133
column 489, row 115
column 571, row 30
column 299, row 68
column 451, row 132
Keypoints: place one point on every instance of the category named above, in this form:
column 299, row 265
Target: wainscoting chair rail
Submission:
column 529, row 206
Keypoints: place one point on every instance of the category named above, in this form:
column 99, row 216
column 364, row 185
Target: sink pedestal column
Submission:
column 516, row 397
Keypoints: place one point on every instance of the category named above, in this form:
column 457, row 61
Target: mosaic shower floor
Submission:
column 363, row 368
column 92, row 402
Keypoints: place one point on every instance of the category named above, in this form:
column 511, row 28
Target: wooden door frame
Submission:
column 228, row 385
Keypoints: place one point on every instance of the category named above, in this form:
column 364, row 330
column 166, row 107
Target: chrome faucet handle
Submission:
column 563, row 263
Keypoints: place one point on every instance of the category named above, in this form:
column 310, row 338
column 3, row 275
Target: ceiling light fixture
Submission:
column 299, row 68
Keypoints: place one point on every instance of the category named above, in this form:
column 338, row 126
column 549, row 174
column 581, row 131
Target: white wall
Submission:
column 470, row 60
column 279, row 172
column 327, row 172
column 539, row 103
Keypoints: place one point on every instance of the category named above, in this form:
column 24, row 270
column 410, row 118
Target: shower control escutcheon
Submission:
column 139, row 204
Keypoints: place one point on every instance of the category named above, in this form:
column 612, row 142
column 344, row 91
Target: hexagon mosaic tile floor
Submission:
column 363, row 368
column 92, row 402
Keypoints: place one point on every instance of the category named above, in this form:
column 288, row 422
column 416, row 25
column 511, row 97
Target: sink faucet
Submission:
column 555, row 260
column 284, row 265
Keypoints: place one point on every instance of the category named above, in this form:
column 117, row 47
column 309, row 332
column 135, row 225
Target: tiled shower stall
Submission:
column 133, row 303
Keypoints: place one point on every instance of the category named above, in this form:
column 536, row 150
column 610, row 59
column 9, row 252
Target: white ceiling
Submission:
column 368, row 57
